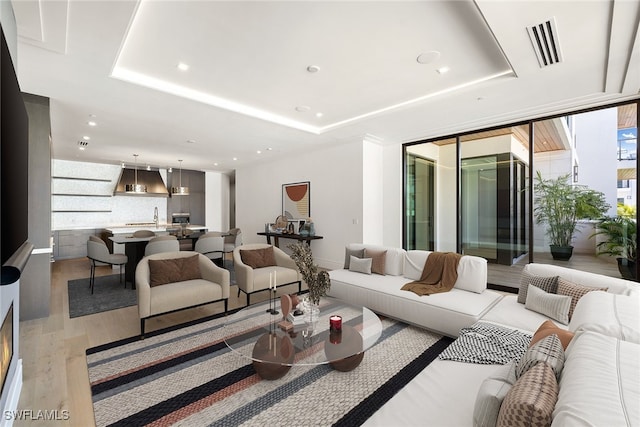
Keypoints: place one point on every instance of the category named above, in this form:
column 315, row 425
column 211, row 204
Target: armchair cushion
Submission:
column 163, row 271
column 258, row 258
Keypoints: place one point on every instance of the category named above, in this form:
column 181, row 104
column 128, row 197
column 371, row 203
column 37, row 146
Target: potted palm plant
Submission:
column 620, row 233
column 560, row 204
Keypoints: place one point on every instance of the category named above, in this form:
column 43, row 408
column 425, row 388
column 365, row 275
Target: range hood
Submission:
column 152, row 179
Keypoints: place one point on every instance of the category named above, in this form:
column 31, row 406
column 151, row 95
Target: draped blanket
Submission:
column 439, row 274
column 486, row 343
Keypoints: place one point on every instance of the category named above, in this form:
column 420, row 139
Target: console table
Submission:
column 277, row 236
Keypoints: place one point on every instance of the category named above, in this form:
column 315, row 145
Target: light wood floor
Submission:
column 53, row 349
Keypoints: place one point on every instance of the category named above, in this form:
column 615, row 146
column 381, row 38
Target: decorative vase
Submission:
column 312, row 229
column 311, row 311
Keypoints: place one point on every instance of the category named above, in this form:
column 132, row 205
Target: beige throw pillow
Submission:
column 378, row 260
column 551, row 305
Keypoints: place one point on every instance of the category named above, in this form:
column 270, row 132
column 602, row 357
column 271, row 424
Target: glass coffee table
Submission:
column 257, row 335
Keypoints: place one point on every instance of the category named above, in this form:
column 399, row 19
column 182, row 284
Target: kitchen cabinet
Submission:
column 69, row 244
column 193, row 203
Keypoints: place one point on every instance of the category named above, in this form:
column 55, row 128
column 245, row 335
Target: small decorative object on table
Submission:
column 335, row 323
column 318, row 282
column 272, row 293
column 285, row 306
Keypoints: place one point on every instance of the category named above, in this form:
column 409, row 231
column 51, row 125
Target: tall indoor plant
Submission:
column 559, row 204
column 621, row 241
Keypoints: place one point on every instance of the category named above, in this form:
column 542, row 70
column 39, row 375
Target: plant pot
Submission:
column 561, row 253
column 627, row 268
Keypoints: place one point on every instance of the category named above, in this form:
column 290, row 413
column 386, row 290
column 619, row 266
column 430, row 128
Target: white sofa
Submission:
column 600, row 382
column 445, row 313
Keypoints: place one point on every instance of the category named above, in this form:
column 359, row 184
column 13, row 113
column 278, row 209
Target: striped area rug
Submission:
column 188, row 376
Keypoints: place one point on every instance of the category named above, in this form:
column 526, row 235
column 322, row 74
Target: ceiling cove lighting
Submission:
column 180, row 190
column 135, row 188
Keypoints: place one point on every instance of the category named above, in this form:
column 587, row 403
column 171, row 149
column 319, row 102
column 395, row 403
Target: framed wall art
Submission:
column 296, row 200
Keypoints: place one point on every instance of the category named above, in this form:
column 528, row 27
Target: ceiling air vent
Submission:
column 82, row 145
column 544, row 38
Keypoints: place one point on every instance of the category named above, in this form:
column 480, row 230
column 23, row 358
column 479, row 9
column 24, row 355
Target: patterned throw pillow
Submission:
column 575, row 291
column 551, row 305
column 258, row 258
column 531, row 400
column 547, row 284
column 548, row 350
column 358, row 253
column 491, row 394
column 378, row 260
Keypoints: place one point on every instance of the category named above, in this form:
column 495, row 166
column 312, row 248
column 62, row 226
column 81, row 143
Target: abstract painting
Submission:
column 296, row 200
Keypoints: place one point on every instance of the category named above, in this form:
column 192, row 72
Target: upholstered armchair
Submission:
column 161, row 244
column 99, row 255
column 172, row 281
column 253, row 264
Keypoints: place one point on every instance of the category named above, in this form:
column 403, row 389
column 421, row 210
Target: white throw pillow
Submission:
column 491, row 394
column 551, row 305
column 360, row 265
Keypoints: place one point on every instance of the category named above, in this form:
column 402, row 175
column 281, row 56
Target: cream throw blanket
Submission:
column 439, row 274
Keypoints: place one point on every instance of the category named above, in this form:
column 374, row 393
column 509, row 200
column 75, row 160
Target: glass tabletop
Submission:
column 258, row 335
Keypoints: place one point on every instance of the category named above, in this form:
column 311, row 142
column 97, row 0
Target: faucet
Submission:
column 155, row 216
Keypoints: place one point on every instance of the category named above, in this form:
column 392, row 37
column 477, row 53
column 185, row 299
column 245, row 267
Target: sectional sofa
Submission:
column 598, row 385
column 445, row 313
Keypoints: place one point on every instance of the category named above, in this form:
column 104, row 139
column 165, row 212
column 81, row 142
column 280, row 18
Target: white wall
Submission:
column 336, row 177
column 123, row 209
column 596, row 144
column 217, row 201
column 372, row 191
column 392, row 196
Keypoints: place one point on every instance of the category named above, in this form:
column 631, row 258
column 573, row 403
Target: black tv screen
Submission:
column 14, row 160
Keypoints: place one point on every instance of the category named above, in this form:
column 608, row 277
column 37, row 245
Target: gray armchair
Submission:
column 251, row 280
column 98, row 254
column 232, row 240
column 211, row 246
column 161, row 244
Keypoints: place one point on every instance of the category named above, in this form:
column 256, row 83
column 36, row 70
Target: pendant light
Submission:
column 180, row 190
column 135, row 188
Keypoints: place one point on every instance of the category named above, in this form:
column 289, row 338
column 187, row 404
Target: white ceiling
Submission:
column 248, row 73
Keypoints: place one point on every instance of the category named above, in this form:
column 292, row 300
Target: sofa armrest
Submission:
column 143, row 288
column 212, row 273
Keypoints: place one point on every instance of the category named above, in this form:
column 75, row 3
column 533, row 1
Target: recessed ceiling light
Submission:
column 318, row 115
column 92, row 123
column 303, row 108
column 428, row 57
column 191, row 141
column 182, row 66
column 235, row 158
column 313, row 68
column 269, row 149
column 86, row 138
column 215, row 164
column 259, row 152
column 442, row 70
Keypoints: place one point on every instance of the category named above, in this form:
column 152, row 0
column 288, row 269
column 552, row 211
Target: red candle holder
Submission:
column 335, row 337
column 335, row 323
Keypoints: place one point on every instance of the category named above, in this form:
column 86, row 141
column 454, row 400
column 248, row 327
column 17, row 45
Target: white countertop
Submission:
column 161, row 228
